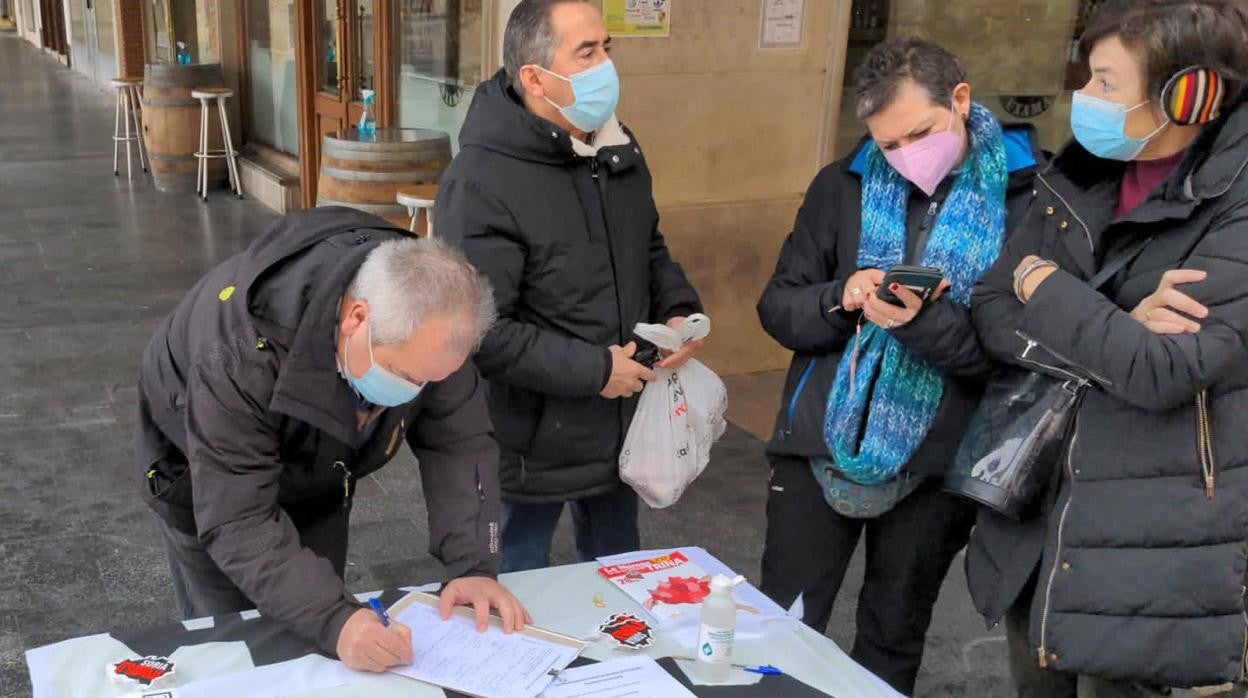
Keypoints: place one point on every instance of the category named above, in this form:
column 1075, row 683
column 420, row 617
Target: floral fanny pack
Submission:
column 856, row 501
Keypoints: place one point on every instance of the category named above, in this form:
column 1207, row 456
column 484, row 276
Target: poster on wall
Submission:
column 652, row 18
column 781, row 24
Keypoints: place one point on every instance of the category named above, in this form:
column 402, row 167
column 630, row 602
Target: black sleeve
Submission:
column 454, row 443
column 943, row 335
column 1151, row 371
column 670, row 292
column 799, row 306
column 516, row 352
column 233, row 450
column 995, row 311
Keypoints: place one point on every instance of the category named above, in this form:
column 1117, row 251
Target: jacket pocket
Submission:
column 169, row 481
column 516, row 413
column 576, row 431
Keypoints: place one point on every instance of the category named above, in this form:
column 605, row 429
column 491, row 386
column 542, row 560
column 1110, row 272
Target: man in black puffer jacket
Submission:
column 553, row 203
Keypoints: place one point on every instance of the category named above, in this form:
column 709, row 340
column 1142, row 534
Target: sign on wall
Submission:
column 781, row 24
column 638, row 17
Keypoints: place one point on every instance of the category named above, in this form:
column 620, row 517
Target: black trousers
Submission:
column 909, row 551
column 201, row 589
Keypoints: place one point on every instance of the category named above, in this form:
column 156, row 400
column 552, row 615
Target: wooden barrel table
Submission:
column 171, row 124
column 367, row 173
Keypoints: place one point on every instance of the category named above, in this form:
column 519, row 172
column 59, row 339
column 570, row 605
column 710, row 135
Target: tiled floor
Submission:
column 88, row 265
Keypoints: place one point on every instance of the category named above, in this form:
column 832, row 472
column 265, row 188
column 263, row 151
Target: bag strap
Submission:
column 1111, row 270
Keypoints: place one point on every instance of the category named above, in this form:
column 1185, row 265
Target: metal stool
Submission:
column 204, row 95
column 417, row 198
column 127, row 111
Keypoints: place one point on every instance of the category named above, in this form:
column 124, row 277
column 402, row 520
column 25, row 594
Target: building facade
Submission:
column 738, row 103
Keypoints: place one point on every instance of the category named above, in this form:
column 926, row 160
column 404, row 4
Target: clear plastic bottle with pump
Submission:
column 717, row 631
column 184, row 56
column 368, row 120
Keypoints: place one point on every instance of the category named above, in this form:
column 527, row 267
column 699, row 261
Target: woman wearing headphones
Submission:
column 1132, row 580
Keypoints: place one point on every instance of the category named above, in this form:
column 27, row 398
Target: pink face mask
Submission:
column 927, row 161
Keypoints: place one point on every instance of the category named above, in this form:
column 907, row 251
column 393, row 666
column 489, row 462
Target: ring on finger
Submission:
column 1148, row 317
column 891, row 324
column 855, row 291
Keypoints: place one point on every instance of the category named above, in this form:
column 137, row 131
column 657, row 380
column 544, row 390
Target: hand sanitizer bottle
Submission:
column 184, row 56
column 368, row 121
column 715, row 636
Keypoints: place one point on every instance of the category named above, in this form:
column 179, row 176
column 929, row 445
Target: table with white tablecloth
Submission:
column 244, row 655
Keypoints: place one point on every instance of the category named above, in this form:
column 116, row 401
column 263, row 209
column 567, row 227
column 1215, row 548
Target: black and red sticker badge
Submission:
column 627, row 630
column 147, row 672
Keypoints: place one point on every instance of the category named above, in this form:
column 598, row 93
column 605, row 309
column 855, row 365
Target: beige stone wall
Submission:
column 1009, row 46
column 732, row 134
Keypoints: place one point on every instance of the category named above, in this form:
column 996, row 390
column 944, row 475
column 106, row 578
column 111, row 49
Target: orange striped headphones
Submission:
column 1193, row 96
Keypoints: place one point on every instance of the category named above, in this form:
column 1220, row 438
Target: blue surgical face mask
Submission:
column 596, row 92
column 379, row 386
column 1100, row 126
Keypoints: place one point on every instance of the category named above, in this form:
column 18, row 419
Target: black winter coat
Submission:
column 820, row 255
column 1141, row 574
column 247, row 431
column 572, row 245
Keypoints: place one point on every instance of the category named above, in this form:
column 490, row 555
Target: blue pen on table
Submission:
column 765, row 670
column 375, row 604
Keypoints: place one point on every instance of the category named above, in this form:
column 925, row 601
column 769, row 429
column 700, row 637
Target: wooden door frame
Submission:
column 306, row 87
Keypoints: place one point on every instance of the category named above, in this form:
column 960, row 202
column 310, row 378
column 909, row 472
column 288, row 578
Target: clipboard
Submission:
column 531, row 631
column 573, row 646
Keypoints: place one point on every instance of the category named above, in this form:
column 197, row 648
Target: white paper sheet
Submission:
column 617, row 678
column 452, row 654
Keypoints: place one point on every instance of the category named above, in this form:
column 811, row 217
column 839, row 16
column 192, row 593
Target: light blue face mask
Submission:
column 1100, row 126
column 596, row 92
column 379, row 386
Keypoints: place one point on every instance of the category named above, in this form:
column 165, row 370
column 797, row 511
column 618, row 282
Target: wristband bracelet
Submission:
column 1021, row 277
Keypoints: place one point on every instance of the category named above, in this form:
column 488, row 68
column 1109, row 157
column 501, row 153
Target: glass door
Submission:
column 332, row 51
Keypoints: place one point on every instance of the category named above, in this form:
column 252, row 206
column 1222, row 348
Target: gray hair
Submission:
column 889, row 64
column 406, row 282
column 529, row 38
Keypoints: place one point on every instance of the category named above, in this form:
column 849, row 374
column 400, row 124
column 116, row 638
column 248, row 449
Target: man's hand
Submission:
column 676, row 359
column 627, row 376
column 1170, row 311
column 860, row 285
column 367, row 645
column 483, row 593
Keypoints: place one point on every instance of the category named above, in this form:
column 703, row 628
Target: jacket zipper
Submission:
column 1086, row 231
column 1204, row 441
column 925, row 232
column 797, row 392
column 346, row 482
column 1057, row 556
column 1033, row 343
column 615, row 274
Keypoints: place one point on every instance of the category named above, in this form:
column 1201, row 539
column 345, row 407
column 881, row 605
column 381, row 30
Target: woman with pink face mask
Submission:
column 883, row 381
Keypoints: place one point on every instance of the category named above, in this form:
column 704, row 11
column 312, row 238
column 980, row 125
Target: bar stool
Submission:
column 127, row 111
column 204, row 95
column 417, row 198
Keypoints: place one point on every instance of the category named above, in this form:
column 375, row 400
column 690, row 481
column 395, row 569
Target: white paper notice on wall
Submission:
column 781, row 24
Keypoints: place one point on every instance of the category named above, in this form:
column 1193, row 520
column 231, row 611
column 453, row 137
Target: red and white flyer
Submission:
column 668, row 585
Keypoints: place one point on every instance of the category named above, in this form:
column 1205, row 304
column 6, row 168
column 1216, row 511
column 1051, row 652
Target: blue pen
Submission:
column 765, row 670
column 375, row 604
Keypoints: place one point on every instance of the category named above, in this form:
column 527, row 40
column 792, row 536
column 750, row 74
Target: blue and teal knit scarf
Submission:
column 896, row 393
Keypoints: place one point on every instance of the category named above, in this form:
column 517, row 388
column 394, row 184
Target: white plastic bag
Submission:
column 680, row 415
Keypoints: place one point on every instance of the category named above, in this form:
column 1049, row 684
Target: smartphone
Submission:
column 922, row 280
column 647, row 354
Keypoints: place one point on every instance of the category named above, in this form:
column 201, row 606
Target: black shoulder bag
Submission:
column 1020, row 429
